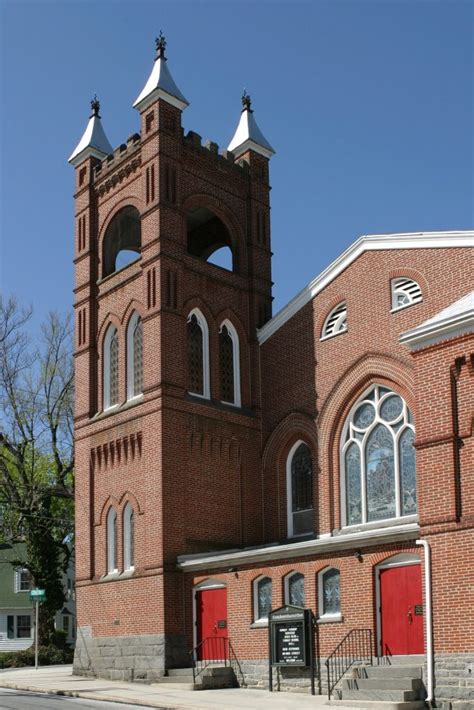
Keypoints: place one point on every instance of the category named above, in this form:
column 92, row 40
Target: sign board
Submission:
column 291, row 639
column 38, row 595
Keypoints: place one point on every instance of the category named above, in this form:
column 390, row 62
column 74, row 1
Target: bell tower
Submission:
column 168, row 425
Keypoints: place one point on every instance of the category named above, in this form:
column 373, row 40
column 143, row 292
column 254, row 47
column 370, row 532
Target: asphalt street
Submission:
column 19, row 700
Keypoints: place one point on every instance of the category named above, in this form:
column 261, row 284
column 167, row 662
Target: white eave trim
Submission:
column 371, row 242
column 88, row 152
column 251, row 145
column 343, row 541
column 143, row 104
column 432, row 333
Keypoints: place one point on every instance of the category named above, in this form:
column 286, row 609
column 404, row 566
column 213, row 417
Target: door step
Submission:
column 213, row 677
column 380, row 704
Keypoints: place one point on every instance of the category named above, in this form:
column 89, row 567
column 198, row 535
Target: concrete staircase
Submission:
column 397, row 685
column 215, row 676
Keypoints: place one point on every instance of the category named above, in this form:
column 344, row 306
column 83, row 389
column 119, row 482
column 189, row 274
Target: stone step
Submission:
column 379, row 704
column 401, row 671
column 398, row 696
column 180, row 672
column 413, row 660
column 383, row 683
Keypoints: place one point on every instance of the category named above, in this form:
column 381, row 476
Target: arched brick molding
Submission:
column 293, row 427
column 373, row 368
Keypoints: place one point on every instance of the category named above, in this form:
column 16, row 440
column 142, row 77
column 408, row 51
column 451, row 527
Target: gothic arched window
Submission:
column 262, row 599
column 378, row 459
column 229, row 364
column 111, row 541
column 198, row 354
column 134, row 356
column 294, row 589
column 128, row 538
column 300, row 490
column 111, row 368
column 329, row 593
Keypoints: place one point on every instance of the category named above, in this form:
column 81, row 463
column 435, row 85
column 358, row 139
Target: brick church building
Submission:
column 228, row 461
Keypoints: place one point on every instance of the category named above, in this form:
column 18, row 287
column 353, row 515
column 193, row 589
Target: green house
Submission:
column 16, row 609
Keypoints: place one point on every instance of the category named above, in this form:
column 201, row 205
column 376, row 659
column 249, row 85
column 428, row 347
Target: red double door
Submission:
column 211, row 622
column 401, row 607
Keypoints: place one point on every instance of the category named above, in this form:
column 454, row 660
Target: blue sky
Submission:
column 369, row 104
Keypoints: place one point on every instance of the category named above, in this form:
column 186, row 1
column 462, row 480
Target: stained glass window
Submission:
column 111, row 541
column 408, row 472
column 296, row 589
column 331, row 592
column 138, row 358
column 128, row 537
column 114, row 370
column 195, row 356
column 379, row 458
column 380, row 474
column 226, row 355
column 302, row 490
column 264, row 597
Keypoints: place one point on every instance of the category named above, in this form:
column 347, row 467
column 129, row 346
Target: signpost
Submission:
column 37, row 596
column 290, row 630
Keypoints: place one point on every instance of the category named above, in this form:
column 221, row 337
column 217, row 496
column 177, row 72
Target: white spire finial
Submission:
column 94, row 142
column 160, row 84
column 248, row 135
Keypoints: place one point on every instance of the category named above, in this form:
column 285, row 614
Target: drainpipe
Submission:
column 429, row 619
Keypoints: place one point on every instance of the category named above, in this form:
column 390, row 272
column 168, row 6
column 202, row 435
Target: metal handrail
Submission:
column 217, row 649
column 355, row 647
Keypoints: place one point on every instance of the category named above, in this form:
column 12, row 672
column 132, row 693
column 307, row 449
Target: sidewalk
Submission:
column 59, row 680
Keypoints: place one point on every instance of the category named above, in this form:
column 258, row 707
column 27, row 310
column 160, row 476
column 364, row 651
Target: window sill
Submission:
column 123, row 406
column 333, row 335
column 110, row 576
column 405, row 305
column 259, row 624
column 334, row 619
column 377, row 524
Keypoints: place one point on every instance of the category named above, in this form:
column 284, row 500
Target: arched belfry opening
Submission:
column 122, row 241
column 209, row 239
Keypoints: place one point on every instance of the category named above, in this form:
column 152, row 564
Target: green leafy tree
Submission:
column 36, row 449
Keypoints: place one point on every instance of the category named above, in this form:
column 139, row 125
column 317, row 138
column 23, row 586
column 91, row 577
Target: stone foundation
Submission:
column 454, row 681
column 127, row 658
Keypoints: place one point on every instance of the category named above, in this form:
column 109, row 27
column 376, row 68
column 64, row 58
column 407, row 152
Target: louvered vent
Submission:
column 336, row 322
column 405, row 292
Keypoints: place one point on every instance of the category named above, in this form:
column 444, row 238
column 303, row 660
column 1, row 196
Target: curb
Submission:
column 86, row 695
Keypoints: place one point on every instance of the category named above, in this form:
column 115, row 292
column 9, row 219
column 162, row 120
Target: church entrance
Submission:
column 211, row 623
column 401, row 609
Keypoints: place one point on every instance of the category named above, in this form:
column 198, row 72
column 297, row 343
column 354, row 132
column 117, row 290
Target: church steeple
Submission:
column 248, row 135
column 160, row 83
column 94, row 142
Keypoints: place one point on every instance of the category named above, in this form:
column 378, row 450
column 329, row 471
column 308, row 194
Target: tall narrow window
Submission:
column 198, row 354
column 134, row 356
column 111, row 541
column 329, row 594
column 378, row 459
column 128, row 538
column 294, row 589
column 262, row 598
column 300, row 490
column 229, row 364
column 111, row 368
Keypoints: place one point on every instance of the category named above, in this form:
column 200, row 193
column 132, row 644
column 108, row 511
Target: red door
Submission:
column 211, row 613
column 401, row 610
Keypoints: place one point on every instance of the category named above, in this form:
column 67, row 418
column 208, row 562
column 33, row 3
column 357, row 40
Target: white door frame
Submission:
column 405, row 559
column 201, row 587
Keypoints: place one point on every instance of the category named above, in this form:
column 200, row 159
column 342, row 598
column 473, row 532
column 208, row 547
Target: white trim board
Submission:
column 344, row 541
column 371, row 242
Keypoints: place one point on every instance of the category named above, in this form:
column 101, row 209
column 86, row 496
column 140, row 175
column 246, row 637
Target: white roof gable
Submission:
column 372, row 242
column 456, row 319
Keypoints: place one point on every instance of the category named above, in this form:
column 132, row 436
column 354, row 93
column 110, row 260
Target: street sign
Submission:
column 38, row 595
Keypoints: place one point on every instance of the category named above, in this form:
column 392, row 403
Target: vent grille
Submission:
column 405, row 292
column 336, row 322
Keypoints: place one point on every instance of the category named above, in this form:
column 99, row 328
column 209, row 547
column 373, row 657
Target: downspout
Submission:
column 429, row 619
